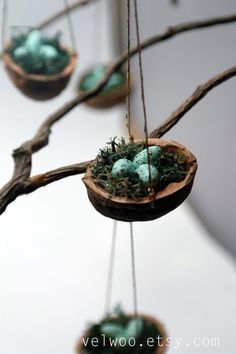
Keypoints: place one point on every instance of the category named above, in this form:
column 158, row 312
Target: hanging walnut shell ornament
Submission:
column 125, row 335
column 39, row 87
column 39, row 66
column 114, row 92
column 153, row 205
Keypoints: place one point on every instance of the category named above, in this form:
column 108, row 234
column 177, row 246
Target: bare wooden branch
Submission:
column 21, row 183
column 191, row 101
column 49, row 177
column 19, row 187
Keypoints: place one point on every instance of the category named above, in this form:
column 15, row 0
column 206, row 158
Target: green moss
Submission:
column 170, row 166
column 33, row 62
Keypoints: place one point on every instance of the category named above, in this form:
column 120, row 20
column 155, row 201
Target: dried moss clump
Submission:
column 170, row 166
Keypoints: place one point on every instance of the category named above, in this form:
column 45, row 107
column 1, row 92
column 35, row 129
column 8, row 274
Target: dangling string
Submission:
column 133, row 271
column 142, row 89
column 111, row 270
column 4, row 22
column 128, row 105
column 97, row 31
column 141, row 70
column 70, row 25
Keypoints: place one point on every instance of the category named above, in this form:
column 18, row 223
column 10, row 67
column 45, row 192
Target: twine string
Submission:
column 134, row 282
column 70, row 25
column 142, row 89
column 111, row 270
column 128, row 104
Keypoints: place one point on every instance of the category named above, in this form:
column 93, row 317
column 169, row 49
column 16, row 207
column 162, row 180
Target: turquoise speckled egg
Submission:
column 98, row 71
column 20, row 53
column 133, row 328
column 122, row 168
column 34, row 41
column 48, row 52
column 143, row 172
column 116, row 80
column 88, row 83
column 142, row 157
column 112, row 330
column 92, row 79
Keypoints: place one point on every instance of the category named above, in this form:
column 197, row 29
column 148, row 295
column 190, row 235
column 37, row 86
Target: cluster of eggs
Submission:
column 96, row 74
column 34, row 45
column 140, row 165
column 115, row 330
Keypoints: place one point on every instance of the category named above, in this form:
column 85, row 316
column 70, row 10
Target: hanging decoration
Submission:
column 116, row 89
column 113, row 93
column 119, row 185
column 119, row 332
column 122, row 333
column 139, row 180
column 39, row 66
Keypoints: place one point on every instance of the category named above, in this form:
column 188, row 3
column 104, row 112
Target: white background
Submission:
column 54, row 247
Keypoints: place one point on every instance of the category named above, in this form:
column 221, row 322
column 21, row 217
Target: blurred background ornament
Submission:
column 38, row 65
column 113, row 93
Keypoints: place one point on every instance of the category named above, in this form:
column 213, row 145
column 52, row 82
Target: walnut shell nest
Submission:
column 38, row 87
column 151, row 206
column 161, row 349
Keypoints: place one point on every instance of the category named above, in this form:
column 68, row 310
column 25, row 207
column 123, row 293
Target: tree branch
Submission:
column 191, row 101
column 44, row 179
column 41, row 180
column 23, row 155
column 49, row 177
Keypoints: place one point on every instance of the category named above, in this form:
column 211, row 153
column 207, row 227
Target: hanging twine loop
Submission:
column 110, row 277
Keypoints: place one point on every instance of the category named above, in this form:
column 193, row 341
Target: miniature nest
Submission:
column 110, row 98
column 37, row 86
column 160, row 330
column 153, row 205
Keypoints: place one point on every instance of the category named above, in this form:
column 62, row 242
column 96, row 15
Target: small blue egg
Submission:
column 88, row 83
column 142, row 157
column 122, row 168
column 92, row 79
column 133, row 328
column 143, row 172
column 98, row 71
column 20, row 53
column 116, row 80
column 48, row 52
column 34, row 41
column 111, row 329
